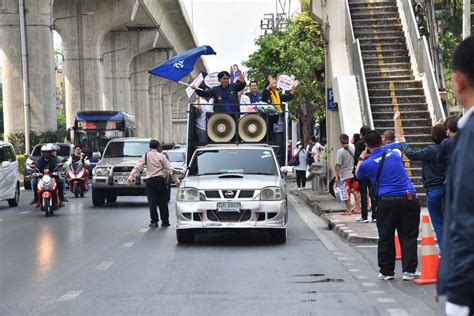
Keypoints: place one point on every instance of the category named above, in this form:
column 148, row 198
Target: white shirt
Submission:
column 463, row 120
column 301, row 157
column 206, row 106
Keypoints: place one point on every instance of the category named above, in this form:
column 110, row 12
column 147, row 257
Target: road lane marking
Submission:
column 70, row 295
column 338, row 253
column 104, row 265
column 354, row 270
column 386, row 300
column 128, row 244
column 368, row 284
column 25, row 212
column 347, row 264
column 1, row 219
column 361, row 277
column 343, row 258
column 310, row 219
column 375, row 292
column 397, row 312
column 143, row 230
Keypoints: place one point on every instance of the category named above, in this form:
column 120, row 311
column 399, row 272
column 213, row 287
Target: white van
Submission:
column 9, row 175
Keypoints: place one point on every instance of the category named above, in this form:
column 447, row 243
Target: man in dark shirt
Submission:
column 254, row 95
column 448, row 144
column 363, row 185
column 46, row 161
column 398, row 208
column 226, row 97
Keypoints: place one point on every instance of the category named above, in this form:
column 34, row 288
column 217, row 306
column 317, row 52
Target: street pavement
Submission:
column 106, row 261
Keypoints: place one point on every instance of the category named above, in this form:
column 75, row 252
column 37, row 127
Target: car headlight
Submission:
column 188, row 195
column 271, row 194
column 101, row 171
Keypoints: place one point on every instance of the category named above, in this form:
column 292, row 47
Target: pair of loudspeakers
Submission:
column 221, row 128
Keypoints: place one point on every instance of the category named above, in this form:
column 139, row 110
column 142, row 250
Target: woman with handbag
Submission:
column 299, row 163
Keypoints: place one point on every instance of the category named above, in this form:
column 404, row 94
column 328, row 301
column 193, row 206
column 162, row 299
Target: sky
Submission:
column 230, row 27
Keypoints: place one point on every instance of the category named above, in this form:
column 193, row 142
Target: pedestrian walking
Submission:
column 456, row 271
column 300, row 169
column 397, row 206
column 156, row 165
column 364, row 185
column 433, row 174
column 345, row 173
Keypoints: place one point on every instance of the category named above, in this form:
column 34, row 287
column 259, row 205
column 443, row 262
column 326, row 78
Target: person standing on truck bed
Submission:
column 226, row 95
column 156, row 192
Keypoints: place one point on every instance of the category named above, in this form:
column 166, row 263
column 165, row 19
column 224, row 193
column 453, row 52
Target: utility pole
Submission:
column 466, row 19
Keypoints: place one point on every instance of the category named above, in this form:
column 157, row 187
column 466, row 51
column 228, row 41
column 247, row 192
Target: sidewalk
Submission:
column 325, row 206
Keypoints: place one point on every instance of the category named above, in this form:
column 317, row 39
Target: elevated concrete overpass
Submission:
column 108, row 46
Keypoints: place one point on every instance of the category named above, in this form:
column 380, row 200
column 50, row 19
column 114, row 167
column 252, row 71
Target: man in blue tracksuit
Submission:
column 456, row 271
column 397, row 206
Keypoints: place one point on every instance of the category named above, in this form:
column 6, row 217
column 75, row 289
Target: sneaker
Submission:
column 65, row 200
column 410, row 276
column 362, row 220
column 165, row 224
column 374, row 220
column 153, row 224
column 299, row 189
column 385, row 277
column 33, row 202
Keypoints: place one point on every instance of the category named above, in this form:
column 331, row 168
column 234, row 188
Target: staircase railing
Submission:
column 423, row 61
column 358, row 68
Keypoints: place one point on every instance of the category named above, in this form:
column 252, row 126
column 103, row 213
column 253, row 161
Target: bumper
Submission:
column 112, row 183
column 254, row 215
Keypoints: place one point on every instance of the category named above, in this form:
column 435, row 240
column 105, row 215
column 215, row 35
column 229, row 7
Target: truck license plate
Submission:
column 122, row 180
column 229, row 207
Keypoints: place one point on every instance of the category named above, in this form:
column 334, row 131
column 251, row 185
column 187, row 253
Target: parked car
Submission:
column 66, row 150
column 177, row 158
column 9, row 175
column 232, row 187
column 113, row 170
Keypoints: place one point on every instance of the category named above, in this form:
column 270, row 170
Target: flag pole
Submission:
column 187, row 84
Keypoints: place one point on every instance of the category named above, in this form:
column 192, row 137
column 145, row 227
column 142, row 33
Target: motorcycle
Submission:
column 47, row 191
column 77, row 177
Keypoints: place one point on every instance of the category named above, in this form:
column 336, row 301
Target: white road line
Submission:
column 343, row 258
column 362, row 277
column 25, row 212
column 386, row 300
column 128, row 244
column 104, row 265
column 1, row 219
column 347, row 264
column 376, row 292
column 368, row 284
column 397, row 312
column 143, row 230
column 354, row 270
column 337, row 253
column 69, row 296
column 310, row 219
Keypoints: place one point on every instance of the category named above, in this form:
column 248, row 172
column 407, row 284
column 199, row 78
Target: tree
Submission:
column 299, row 51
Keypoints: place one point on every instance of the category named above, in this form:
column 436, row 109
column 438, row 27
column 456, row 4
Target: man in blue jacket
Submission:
column 226, row 97
column 456, row 272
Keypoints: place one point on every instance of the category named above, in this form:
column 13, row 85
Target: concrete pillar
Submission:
column 120, row 47
column 156, row 89
column 82, row 25
column 167, row 95
column 40, row 66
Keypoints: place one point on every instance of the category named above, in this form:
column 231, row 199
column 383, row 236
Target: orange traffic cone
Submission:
column 398, row 249
column 429, row 254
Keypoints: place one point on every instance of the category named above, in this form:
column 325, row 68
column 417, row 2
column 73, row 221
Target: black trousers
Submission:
column 403, row 216
column 157, row 195
column 364, row 187
column 300, row 178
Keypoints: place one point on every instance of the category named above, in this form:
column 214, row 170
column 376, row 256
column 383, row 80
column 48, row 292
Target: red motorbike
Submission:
column 47, row 191
column 77, row 178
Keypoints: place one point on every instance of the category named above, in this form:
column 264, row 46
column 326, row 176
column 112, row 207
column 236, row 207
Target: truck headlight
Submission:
column 271, row 194
column 101, row 171
column 188, row 195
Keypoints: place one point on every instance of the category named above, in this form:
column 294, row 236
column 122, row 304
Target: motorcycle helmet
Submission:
column 46, row 150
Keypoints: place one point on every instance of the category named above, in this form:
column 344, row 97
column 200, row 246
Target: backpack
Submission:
column 309, row 156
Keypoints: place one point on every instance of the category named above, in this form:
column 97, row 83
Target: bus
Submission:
column 93, row 129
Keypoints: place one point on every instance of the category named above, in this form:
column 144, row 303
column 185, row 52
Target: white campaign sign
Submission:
column 285, row 82
column 211, row 80
column 196, row 82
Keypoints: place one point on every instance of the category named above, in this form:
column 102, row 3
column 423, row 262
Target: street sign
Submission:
column 332, row 106
column 211, row 80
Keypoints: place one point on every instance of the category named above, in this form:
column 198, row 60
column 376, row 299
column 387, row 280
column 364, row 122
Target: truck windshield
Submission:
column 242, row 161
column 91, row 141
column 126, row 149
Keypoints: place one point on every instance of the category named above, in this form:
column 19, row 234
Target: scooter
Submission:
column 47, row 191
column 77, row 177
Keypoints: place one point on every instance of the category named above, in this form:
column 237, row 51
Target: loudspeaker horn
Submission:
column 221, row 128
column 252, row 128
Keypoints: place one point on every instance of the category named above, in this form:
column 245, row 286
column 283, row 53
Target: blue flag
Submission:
column 182, row 64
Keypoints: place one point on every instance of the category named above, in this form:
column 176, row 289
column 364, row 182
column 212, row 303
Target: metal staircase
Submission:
column 391, row 85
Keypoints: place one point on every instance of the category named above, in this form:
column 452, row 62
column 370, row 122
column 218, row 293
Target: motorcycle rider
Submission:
column 80, row 156
column 62, row 178
column 46, row 161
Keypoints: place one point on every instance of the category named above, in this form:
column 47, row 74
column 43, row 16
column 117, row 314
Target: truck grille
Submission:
column 215, row 216
column 123, row 169
column 231, row 194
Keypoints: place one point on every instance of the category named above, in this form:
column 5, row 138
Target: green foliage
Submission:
column 62, row 130
column 18, row 140
column 21, row 163
column 299, row 51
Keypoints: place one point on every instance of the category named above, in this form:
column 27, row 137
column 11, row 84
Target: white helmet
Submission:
column 47, row 147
